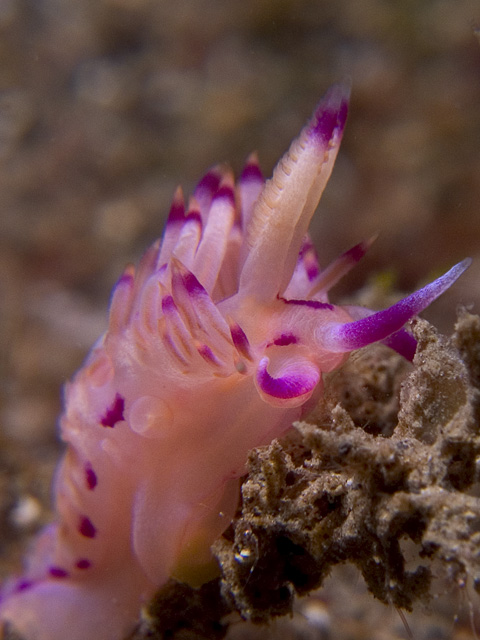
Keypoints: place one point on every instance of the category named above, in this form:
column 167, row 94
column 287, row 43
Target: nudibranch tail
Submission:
column 282, row 214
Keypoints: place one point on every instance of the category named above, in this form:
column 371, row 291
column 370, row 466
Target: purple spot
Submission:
column 226, row 193
column 314, row 304
column 240, row 340
column 23, row 585
column 251, row 172
column 83, row 563
column 90, row 476
column 114, row 413
column 58, row 572
column 291, row 385
column 285, row 339
column 86, row 528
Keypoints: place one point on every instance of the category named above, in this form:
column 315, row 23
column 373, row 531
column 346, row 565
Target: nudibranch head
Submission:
column 235, row 287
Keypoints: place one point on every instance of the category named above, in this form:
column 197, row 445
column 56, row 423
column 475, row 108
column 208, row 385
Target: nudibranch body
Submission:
column 215, row 345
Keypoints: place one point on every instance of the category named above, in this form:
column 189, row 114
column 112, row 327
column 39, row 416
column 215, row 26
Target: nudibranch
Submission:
column 215, row 345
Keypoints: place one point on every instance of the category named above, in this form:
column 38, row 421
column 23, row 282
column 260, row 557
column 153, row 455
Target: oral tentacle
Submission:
column 403, row 343
column 400, row 341
column 341, row 338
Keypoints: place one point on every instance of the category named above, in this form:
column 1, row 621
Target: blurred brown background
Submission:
column 106, row 105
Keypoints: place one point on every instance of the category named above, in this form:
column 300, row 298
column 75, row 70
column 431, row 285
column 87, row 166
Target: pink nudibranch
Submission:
column 215, row 345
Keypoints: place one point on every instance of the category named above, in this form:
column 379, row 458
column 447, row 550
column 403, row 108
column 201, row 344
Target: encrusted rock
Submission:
column 392, row 455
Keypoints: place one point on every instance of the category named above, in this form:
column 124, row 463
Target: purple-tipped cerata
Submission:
column 216, row 343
